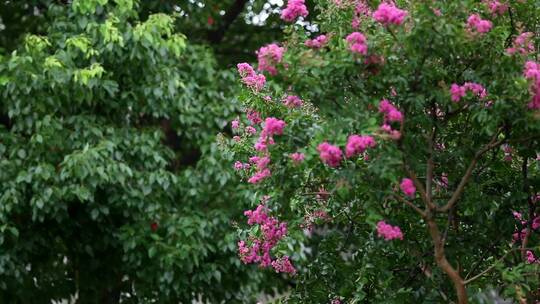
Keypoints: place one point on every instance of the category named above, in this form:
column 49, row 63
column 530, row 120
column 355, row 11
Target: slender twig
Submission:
column 408, row 203
column 465, row 179
column 467, row 281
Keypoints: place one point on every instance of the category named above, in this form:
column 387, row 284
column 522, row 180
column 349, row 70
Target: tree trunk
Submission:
column 442, row 262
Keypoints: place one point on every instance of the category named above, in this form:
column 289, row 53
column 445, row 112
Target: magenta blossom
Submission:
column 329, row 154
column 388, row 14
column 388, row 232
column 407, row 187
column 294, row 9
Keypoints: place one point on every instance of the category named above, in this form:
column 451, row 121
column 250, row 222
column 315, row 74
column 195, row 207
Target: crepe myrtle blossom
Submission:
column 253, row 116
column 294, row 9
column 251, row 79
column 388, row 232
column 329, row 154
column 361, row 11
column 357, row 144
column 318, row 42
column 496, row 7
column 269, row 57
column 476, row 24
column 523, row 44
column 283, row 264
column 391, row 113
column 388, row 14
column 407, row 187
column 457, row 92
column 357, row 43
column 272, row 231
column 532, row 73
column 297, row 157
column 292, row 101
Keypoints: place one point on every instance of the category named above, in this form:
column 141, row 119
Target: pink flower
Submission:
column 245, row 69
column 388, row 232
column 361, row 10
column 235, row 124
column 259, row 176
column 357, row 43
column 329, row 154
column 273, row 126
column 297, row 157
column 523, row 44
column 317, row 43
column 457, row 92
column 283, row 264
column 391, row 113
column 253, row 116
column 238, row 165
column 530, row 257
column 237, row 138
column 269, row 56
column 272, row 232
column 532, row 72
column 250, row 130
column 251, row 79
column 292, row 101
column 294, row 9
column 388, row 14
column 496, row 7
column 358, row 144
column 407, row 187
column 481, row 26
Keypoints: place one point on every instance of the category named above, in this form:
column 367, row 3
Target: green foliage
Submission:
column 420, row 61
column 111, row 186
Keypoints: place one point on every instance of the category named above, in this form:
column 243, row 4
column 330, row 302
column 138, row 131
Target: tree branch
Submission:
column 465, row 179
column 467, row 281
column 403, row 200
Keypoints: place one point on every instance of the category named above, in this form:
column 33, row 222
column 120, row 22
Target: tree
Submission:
column 111, row 185
column 400, row 146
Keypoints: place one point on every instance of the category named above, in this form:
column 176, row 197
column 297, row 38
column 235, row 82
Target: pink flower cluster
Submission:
column 532, row 72
column 357, row 144
column 478, row 25
column 520, row 234
column 388, row 232
column 407, row 187
column 269, row 56
column 388, row 13
column 391, row 114
column 272, row 231
column 292, row 101
column 283, row 264
column 530, row 257
column 357, row 43
column 457, row 92
column 361, row 10
column 253, row 80
column 297, row 157
column 253, row 116
column 294, row 9
column 318, row 42
column 329, row 154
column 523, row 44
column 272, row 126
column 496, row 7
